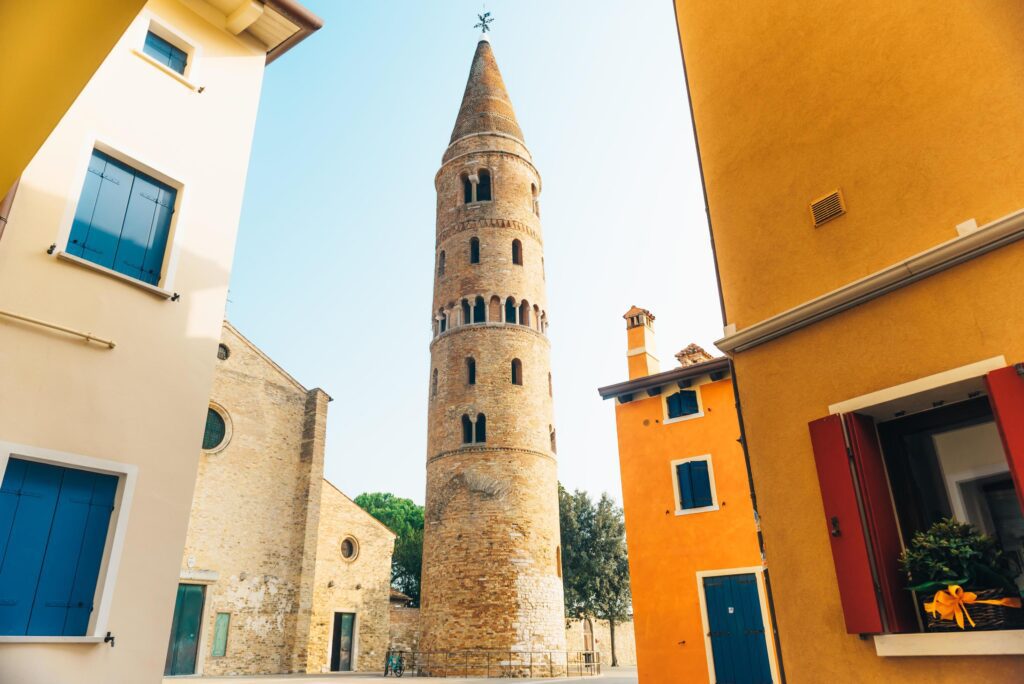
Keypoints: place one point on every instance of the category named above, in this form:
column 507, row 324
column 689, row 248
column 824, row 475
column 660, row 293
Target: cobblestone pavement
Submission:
column 612, row 675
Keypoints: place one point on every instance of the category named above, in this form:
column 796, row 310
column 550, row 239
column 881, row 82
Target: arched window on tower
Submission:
column 517, row 372
column 536, row 198
column 481, row 428
column 495, row 313
column 467, row 188
column 474, row 250
column 467, row 430
column 524, row 313
column 517, row 252
column 433, row 384
column 466, row 313
column 536, row 316
column 479, row 310
column 483, row 187
column 510, row 310
column 442, row 320
column 470, row 370
column 440, row 263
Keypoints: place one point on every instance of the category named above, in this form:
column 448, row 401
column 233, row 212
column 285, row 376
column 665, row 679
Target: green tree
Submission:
column 405, row 518
column 595, row 569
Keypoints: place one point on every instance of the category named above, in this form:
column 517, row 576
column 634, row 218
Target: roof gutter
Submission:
column 967, row 246
column 665, row 378
column 307, row 22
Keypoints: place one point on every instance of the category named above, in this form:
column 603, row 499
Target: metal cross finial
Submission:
column 485, row 22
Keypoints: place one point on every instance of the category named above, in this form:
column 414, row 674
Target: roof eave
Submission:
column 307, row 22
column 663, row 378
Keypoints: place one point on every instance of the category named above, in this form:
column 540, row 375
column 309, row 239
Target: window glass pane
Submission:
column 215, row 430
column 220, row 634
column 165, row 53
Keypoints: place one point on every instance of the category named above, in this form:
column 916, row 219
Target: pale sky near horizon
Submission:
column 333, row 271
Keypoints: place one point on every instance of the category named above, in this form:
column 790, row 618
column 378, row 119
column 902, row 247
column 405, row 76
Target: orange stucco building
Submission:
column 701, row 609
column 864, row 174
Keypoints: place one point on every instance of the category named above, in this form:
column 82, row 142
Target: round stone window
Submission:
column 349, row 548
column 215, row 436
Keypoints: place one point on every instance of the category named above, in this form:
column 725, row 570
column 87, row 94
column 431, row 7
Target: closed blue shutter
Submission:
column 165, row 53
column 50, row 564
column 701, row 483
column 682, row 403
column 685, row 488
column 123, row 219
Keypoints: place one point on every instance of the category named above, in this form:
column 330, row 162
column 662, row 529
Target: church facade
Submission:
column 281, row 571
column 491, row 559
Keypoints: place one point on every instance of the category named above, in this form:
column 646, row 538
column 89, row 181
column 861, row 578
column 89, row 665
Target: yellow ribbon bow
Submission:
column 952, row 604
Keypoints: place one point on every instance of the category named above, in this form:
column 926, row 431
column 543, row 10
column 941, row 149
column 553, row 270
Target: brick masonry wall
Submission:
column 405, row 628
column 490, row 578
column 264, row 531
column 625, row 642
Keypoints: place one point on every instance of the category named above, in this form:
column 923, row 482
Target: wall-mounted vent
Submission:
column 827, row 208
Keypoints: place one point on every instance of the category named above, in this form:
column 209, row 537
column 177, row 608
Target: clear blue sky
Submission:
column 333, row 271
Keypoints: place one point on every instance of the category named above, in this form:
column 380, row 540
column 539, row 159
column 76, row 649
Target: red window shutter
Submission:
column 1006, row 393
column 883, row 532
column 842, row 520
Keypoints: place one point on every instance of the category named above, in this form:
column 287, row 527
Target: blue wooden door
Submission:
column 53, row 530
column 738, row 641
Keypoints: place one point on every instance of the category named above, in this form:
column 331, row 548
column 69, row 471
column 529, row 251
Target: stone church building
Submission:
column 281, row 571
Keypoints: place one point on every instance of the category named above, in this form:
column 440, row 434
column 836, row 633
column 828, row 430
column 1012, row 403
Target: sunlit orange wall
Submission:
column 666, row 550
column 915, row 110
column 51, row 49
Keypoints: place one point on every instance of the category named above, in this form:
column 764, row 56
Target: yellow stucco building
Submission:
column 864, row 174
column 114, row 268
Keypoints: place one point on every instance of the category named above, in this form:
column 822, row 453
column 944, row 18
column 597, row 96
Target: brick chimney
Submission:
column 693, row 354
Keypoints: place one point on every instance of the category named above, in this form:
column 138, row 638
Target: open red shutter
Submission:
column 883, row 532
column 842, row 519
column 1006, row 393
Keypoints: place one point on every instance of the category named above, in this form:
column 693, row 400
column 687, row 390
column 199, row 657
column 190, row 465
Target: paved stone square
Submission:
column 612, row 675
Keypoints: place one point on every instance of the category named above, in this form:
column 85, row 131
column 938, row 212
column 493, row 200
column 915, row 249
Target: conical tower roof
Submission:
column 486, row 106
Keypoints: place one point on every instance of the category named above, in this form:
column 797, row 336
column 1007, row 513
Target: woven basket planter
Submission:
column 986, row 617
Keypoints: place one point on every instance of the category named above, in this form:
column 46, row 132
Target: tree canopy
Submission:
column 595, row 570
column 405, row 518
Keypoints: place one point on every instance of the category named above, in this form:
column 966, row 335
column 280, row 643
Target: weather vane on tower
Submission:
column 485, row 22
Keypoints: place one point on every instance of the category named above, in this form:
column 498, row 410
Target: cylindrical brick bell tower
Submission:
column 491, row 555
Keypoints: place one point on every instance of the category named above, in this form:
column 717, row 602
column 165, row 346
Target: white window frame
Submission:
column 125, row 154
column 173, row 35
column 762, row 596
column 711, row 479
column 664, row 405
column 106, row 581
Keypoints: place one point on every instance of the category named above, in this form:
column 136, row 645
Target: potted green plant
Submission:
column 969, row 582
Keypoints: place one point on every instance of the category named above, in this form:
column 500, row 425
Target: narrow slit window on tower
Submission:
column 517, row 372
column 510, row 310
column 466, row 312
column 433, row 384
column 517, row 252
column 554, row 446
column 536, row 198
column 479, row 310
column 481, row 428
column 483, row 187
column 467, row 189
column 467, row 430
column 550, row 393
column 470, row 370
column 474, row 250
column 442, row 320
column 440, row 263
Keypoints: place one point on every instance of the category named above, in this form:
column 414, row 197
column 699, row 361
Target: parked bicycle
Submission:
column 395, row 664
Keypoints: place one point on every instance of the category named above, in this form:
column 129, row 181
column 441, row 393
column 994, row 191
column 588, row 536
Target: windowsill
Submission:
column 51, row 640
column 1005, row 642
column 164, row 68
column 690, row 511
column 85, row 263
column 680, row 419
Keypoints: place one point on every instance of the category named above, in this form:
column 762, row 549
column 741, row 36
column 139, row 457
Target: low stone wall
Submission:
column 405, row 628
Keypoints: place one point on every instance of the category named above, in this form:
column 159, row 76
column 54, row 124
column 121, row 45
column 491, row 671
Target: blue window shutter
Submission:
column 688, row 402
column 140, row 252
column 100, row 240
column 165, row 53
column 33, row 488
column 701, row 483
column 685, row 488
column 86, row 206
column 94, row 539
column 673, row 406
column 154, row 261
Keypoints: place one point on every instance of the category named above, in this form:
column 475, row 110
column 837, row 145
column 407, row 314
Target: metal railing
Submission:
column 496, row 663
